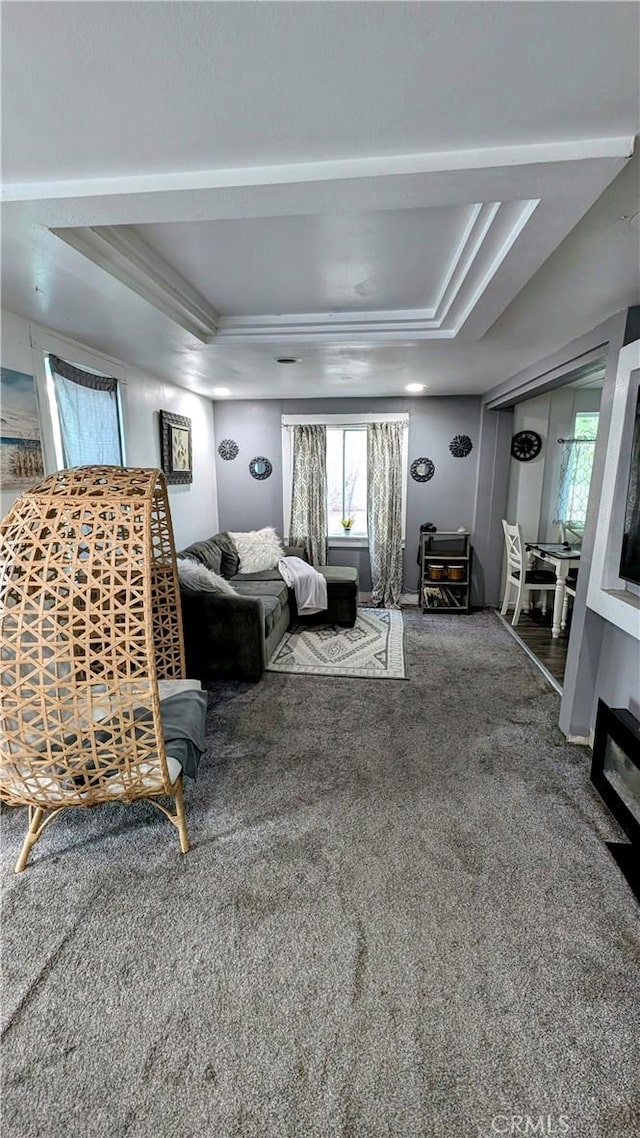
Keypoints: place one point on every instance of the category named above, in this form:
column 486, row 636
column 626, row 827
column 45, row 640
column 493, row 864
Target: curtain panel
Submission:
column 308, row 524
column 575, row 479
column 88, row 415
column 384, row 523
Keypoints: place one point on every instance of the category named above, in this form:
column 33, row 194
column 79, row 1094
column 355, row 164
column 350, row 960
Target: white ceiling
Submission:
column 347, row 261
column 389, row 192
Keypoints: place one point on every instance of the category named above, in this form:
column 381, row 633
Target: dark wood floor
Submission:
column 537, row 637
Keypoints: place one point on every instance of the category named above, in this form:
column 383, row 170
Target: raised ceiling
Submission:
column 389, row 192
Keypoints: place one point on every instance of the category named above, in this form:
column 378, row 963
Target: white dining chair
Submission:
column 519, row 577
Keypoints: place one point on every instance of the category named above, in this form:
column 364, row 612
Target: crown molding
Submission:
column 491, row 230
column 120, row 251
column 376, row 166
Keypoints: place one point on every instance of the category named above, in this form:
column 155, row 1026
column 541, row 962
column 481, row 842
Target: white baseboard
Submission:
column 581, row 740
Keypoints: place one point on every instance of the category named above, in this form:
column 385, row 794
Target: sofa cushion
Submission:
column 261, row 588
column 259, row 575
column 208, row 553
column 272, row 612
column 218, row 553
column 342, row 580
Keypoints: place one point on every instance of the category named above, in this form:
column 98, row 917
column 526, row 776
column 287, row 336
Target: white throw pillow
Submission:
column 258, row 549
column 196, row 578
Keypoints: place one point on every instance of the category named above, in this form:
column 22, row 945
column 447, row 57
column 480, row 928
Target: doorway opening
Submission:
column 548, row 498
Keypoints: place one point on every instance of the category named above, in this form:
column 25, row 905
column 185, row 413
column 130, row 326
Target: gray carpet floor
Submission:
column 399, row 918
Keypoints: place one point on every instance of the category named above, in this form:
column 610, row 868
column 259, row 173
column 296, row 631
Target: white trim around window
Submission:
column 345, row 420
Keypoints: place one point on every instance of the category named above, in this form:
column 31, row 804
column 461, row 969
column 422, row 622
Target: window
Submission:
column 586, row 425
column 586, row 432
column 575, row 474
column 86, row 414
column 347, row 479
column 346, row 470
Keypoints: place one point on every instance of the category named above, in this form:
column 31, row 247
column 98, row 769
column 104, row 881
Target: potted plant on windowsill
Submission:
column 346, row 524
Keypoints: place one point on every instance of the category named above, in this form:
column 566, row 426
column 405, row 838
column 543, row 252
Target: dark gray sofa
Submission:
column 235, row 636
column 227, row 636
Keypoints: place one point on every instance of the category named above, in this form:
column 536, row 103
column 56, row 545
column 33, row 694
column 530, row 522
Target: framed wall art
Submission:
column 21, row 463
column 175, row 447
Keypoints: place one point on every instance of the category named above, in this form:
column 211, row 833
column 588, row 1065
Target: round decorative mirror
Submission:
column 260, row 468
column 422, row 469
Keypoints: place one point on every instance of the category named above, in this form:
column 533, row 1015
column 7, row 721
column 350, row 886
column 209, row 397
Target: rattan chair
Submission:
column 91, row 624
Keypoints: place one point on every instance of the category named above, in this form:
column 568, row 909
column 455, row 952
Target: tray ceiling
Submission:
column 290, row 252
column 265, row 192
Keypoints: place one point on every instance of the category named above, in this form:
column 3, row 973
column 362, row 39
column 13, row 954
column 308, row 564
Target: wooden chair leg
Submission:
column 565, row 612
column 505, row 599
column 33, row 833
column 181, row 818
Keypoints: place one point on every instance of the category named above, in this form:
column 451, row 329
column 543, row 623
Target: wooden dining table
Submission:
column 563, row 558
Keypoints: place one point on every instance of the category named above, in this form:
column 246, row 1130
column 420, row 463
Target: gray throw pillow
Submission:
column 230, row 556
column 206, row 552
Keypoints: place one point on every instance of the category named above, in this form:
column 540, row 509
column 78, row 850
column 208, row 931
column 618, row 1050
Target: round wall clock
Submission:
column 526, row 445
column 460, row 446
column 422, row 469
column 228, row 449
column 260, row 468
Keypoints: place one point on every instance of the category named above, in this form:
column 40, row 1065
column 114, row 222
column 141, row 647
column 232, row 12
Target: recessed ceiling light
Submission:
column 415, row 388
column 287, row 360
column 221, row 391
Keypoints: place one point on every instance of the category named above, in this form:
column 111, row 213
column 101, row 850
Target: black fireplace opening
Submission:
column 615, row 772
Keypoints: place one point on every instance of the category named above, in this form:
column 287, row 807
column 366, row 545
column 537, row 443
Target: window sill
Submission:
column 347, row 541
column 340, row 541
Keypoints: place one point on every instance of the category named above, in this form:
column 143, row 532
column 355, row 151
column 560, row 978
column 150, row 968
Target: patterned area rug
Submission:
column 373, row 648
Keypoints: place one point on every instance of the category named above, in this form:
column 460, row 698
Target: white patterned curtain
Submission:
column 384, row 521
column 308, row 525
column 575, row 479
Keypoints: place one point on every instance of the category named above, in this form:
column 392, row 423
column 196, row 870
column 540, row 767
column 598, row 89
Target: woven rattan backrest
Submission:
column 90, row 613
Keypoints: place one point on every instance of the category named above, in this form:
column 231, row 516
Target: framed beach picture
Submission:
column 21, row 463
column 175, row 447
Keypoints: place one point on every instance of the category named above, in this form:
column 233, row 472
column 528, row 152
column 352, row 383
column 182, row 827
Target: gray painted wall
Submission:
column 243, row 502
column 448, row 499
column 490, row 505
column 618, row 675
